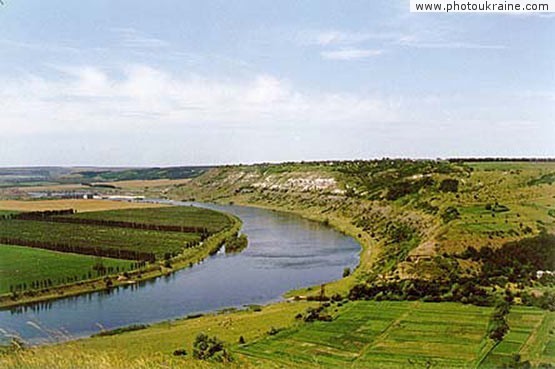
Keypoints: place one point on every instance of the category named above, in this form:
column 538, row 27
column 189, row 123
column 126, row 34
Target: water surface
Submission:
column 285, row 252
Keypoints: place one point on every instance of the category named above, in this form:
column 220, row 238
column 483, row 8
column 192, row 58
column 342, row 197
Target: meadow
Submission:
column 24, row 265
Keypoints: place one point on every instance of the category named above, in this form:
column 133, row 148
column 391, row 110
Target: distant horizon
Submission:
column 454, row 158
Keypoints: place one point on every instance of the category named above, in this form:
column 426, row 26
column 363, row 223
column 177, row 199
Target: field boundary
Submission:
column 210, row 246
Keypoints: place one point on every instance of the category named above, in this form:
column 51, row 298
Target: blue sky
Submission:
column 189, row 82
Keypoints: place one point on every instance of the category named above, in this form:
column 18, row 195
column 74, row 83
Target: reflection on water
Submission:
column 284, row 252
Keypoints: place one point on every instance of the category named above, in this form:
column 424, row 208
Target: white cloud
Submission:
column 133, row 38
column 348, row 40
column 350, row 54
column 88, row 98
column 336, row 37
column 415, row 43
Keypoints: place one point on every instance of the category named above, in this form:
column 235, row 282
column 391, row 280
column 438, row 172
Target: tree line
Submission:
column 115, row 253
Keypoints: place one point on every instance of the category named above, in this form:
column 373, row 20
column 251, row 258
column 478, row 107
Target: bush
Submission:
column 314, row 314
column 449, row 185
column 205, row 348
column 450, row 214
column 236, row 243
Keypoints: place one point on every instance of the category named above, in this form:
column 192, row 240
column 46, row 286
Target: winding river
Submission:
column 285, row 252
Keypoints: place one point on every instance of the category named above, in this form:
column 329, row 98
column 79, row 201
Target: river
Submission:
column 285, row 252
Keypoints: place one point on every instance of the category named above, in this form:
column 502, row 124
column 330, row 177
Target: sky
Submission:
column 176, row 82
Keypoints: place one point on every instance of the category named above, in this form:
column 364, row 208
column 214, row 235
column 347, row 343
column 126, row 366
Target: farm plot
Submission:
column 25, row 266
column 181, row 216
column 530, row 335
column 383, row 335
column 92, row 238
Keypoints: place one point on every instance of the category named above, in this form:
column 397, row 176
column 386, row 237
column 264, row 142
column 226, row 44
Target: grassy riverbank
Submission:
column 59, row 275
column 25, row 265
column 380, row 334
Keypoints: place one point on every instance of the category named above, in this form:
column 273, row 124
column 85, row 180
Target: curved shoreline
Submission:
column 282, row 296
column 211, row 245
column 366, row 256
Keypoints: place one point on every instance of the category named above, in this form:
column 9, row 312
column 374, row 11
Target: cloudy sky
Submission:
column 175, row 82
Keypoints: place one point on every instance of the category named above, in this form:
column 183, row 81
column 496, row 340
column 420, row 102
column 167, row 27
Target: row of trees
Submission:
column 115, row 253
column 463, row 290
column 98, row 270
column 33, row 215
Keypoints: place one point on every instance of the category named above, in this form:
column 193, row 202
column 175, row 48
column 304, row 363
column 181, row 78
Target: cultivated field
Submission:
column 531, row 334
column 45, row 253
column 96, row 237
column 415, row 220
column 24, row 265
column 383, row 335
column 170, row 216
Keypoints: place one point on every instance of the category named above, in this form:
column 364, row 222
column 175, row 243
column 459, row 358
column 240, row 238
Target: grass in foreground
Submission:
column 153, row 347
column 365, row 334
column 20, row 265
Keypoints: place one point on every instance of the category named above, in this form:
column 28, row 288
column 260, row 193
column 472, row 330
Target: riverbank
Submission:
column 210, row 246
column 367, row 255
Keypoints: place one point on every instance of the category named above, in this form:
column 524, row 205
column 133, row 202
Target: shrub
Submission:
column 449, row 214
column 449, row 185
column 205, row 348
column 318, row 313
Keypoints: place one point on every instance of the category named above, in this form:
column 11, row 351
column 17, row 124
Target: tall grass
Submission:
column 75, row 359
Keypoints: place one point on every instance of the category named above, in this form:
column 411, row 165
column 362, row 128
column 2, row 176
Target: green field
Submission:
column 7, row 212
column 96, row 237
column 531, row 334
column 26, row 265
column 188, row 216
column 22, row 267
column 383, row 335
